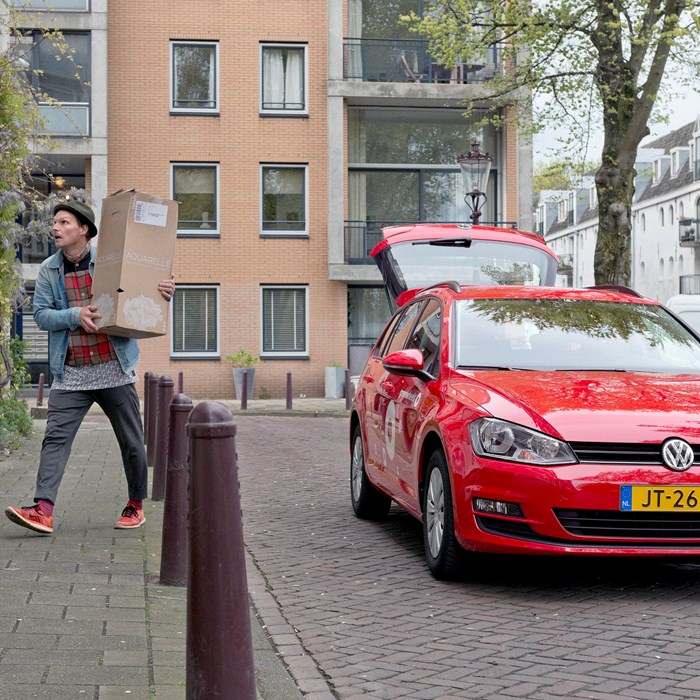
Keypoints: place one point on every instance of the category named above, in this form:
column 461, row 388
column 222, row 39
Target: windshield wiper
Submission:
column 450, row 242
column 496, row 367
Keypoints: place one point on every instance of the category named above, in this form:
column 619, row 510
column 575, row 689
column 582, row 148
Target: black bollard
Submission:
column 180, row 382
column 348, row 389
column 173, row 551
column 160, row 454
column 289, row 391
column 244, row 391
column 219, row 656
column 40, row 394
column 152, row 389
column 146, row 378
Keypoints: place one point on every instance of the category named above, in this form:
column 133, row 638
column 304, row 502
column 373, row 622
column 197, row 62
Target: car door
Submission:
column 412, row 395
column 381, row 400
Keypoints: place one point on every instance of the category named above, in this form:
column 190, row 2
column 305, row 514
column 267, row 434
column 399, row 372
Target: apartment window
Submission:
column 194, row 86
column 284, row 199
column 283, row 79
column 60, row 77
column 195, row 321
column 284, row 321
column 661, row 216
column 196, row 187
column 62, row 5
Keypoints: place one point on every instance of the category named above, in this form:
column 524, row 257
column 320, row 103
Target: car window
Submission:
column 403, row 328
column 426, row 336
column 570, row 334
column 385, row 337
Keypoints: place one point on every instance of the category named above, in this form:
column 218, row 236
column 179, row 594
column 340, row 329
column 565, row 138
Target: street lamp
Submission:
column 475, row 167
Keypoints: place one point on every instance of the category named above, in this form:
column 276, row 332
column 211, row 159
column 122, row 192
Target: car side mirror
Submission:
column 406, row 363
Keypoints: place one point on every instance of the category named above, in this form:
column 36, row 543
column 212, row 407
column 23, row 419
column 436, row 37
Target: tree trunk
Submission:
column 613, row 251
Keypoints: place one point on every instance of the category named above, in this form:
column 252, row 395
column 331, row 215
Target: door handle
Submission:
column 368, row 378
column 388, row 386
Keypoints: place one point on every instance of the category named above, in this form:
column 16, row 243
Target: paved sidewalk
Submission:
column 82, row 611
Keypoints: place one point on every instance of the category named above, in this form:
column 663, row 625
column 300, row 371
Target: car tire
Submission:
column 443, row 553
column 368, row 502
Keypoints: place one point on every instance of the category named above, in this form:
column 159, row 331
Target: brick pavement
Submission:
column 359, row 605
column 348, row 605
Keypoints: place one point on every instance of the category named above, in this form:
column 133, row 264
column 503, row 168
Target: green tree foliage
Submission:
column 23, row 215
column 601, row 60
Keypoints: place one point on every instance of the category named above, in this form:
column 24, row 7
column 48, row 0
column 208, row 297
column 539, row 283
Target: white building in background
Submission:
column 665, row 220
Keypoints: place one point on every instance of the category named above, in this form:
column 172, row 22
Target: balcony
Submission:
column 408, row 61
column 361, row 236
column 65, row 119
column 689, row 232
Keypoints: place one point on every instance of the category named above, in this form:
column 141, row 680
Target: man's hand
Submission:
column 167, row 288
column 87, row 314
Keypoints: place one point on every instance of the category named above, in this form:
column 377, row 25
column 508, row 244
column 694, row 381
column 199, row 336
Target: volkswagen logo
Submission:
column 677, row 454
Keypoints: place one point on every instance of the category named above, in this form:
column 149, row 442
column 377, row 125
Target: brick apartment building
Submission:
column 289, row 132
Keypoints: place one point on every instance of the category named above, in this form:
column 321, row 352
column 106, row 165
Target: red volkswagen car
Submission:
column 516, row 418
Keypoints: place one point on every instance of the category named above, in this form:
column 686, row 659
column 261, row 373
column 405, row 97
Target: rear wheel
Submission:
column 442, row 551
column 368, row 502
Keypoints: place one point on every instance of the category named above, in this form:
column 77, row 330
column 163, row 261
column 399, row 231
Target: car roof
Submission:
column 601, row 293
column 394, row 235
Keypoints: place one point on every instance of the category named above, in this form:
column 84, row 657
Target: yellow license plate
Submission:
column 660, row 498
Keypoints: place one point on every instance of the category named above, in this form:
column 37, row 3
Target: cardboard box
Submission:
column 135, row 250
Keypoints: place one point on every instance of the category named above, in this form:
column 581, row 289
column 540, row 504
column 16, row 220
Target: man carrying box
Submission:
column 88, row 367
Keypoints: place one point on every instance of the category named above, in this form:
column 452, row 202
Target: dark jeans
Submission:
column 66, row 412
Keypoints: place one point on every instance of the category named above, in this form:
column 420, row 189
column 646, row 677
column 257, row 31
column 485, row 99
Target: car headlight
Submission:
column 492, row 437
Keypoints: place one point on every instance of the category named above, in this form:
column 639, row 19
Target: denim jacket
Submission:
column 52, row 314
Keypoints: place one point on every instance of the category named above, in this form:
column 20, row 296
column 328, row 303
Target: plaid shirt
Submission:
column 85, row 348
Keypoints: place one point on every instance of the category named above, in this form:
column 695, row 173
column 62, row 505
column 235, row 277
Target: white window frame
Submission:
column 285, row 353
column 217, row 71
column 285, row 112
column 214, row 231
column 302, row 233
column 209, row 354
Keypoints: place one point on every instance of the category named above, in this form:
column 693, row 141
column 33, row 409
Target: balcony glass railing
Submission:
column 58, row 5
column 409, row 61
column 689, row 232
column 66, row 119
column 361, row 236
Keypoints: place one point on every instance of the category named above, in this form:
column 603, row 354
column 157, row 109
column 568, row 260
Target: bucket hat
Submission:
column 82, row 211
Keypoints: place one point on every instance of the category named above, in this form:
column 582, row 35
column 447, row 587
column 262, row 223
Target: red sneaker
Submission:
column 131, row 518
column 32, row 518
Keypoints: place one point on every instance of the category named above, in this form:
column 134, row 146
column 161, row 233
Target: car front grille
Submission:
column 621, row 453
column 630, row 525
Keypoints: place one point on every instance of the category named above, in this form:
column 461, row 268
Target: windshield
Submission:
column 421, row 263
column 561, row 334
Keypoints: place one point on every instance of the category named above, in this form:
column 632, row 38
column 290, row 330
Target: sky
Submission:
column 681, row 111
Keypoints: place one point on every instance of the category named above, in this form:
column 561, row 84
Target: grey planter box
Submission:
column 238, row 381
column 335, row 382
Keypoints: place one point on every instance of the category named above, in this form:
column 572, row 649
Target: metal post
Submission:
column 152, row 389
column 146, row 378
column 219, row 657
column 40, row 394
column 244, row 391
column 180, row 382
column 173, row 551
column 348, row 390
column 289, row 391
column 160, row 454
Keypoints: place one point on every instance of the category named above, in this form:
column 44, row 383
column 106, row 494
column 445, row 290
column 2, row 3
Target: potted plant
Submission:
column 243, row 361
column 335, row 381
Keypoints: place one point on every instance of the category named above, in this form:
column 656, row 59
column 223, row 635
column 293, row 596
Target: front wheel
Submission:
column 443, row 553
column 368, row 502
